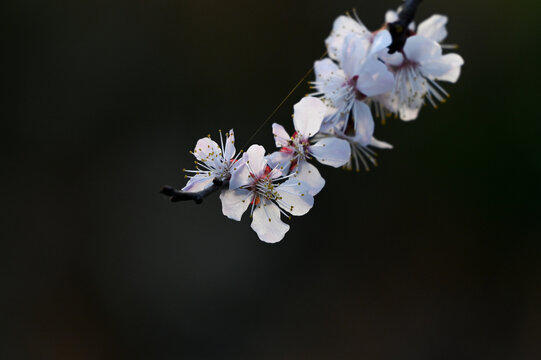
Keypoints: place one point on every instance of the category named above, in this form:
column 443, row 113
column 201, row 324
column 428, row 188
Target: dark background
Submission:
column 433, row 255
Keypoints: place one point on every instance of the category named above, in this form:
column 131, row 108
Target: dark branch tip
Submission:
column 399, row 29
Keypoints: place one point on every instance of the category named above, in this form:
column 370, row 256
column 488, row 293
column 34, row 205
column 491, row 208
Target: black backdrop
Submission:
column 433, row 255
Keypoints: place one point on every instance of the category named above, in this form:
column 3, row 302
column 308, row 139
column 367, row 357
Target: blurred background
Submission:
column 435, row 254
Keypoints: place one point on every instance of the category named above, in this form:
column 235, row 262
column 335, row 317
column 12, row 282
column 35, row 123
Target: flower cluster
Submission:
column 333, row 126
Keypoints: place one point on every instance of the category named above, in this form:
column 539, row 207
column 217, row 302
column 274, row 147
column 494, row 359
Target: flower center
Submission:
column 299, row 144
column 263, row 186
column 353, row 84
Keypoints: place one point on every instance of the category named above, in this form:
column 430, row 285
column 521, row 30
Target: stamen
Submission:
column 221, row 141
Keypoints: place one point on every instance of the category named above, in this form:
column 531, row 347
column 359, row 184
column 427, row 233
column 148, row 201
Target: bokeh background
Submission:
column 433, row 255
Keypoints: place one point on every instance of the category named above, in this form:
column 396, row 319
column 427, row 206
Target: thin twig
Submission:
column 399, row 29
column 179, row 195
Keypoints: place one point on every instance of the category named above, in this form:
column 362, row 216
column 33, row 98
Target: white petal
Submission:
column 329, row 80
column 206, row 150
column 408, row 113
column 380, row 42
column 433, row 28
column 229, row 151
column 240, row 174
column 395, row 59
column 364, row 122
column 380, row 144
column 419, row 49
column 267, row 224
column 281, row 137
column 235, row 202
column 389, row 101
column 198, row 182
column 353, row 53
column 328, row 125
column 343, row 26
column 331, row 151
column 280, row 160
column 295, row 197
column 309, row 175
column 308, row 115
column 455, row 62
column 323, row 69
column 375, row 78
column 391, row 16
column 255, row 159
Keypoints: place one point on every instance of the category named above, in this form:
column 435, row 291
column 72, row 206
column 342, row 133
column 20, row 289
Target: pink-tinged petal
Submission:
column 295, row 197
column 433, row 28
column 308, row 115
column 280, row 160
column 331, row 151
column 235, row 202
column 276, row 173
column 375, row 78
column 380, row 144
column 353, row 54
column 364, row 122
column 343, row 26
column 381, row 41
column 420, row 49
column 309, row 175
column 198, row 182
column 229, row 151
column 267, row 224
column 455, row 62
column 281, row 137
column 206, row 150
column 255, row 159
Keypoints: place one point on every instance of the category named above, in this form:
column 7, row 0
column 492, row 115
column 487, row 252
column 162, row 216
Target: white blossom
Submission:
column 361, row 154
column 349, row 87
column 296, row 150
column 211, row 162
column 418, row 66
column 342, row 27
column 358, row 75
column 254, row 183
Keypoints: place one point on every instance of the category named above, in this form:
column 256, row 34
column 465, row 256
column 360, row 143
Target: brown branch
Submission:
column 179, row 195
column 399, row 29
